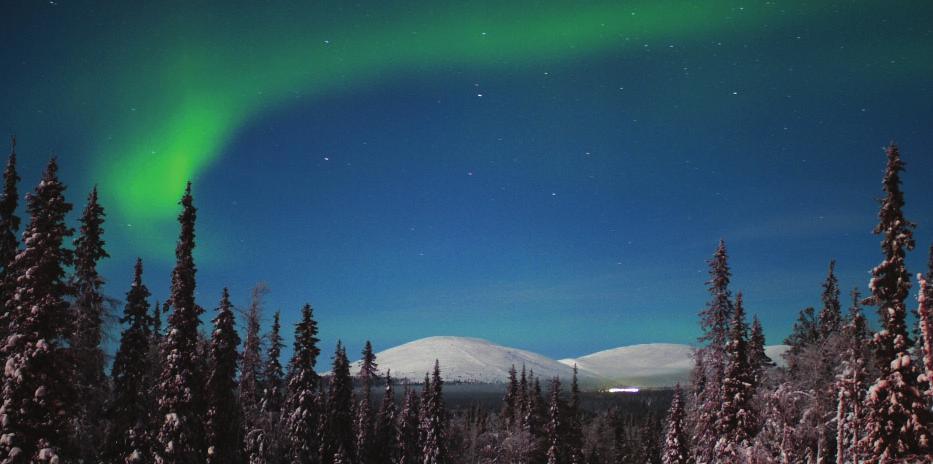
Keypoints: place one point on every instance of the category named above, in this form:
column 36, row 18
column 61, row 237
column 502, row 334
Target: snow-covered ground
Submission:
column 466, row 359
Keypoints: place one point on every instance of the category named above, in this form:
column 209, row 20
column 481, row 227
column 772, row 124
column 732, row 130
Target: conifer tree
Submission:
column 897, row 422
column 385, row 446
column 676, row 450
column 369, row 371
column 510, row 400
column 222, row 426
column 409, row 424
column 339, row 428
column 851, row 385
column 250, row 386
column 9, row 246
column 925, row 322
column 273, row 390
column 129, row 436
column 302, row 410
column 434, row 423
column 88, row 313
column 758, row 359
column 37, row 381
column 736, row 422
column 180, row 392
column 554, row 427
column 574, row 421
column 831, row 315
column 714, row 322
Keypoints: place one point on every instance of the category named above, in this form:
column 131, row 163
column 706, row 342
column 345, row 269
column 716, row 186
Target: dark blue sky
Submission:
column 561, row 204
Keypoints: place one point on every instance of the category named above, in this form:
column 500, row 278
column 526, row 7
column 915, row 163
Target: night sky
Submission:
column 550, row 176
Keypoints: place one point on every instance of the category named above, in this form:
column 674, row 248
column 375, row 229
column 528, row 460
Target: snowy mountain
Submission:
column 648, row 365
column 475, row 360
column 464, row 359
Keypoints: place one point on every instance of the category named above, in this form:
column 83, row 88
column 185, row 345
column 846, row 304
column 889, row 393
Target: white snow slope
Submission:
column 464, row 360
column 475, row 360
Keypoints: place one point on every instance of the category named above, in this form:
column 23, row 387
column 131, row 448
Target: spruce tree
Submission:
column 434, row 423
column 222, row 425
column 9, row 246
column 301, row 408
column 369, row 371
column 38, row 379
column 714, row 322
column 511, row 399
column 925, row 322
column 574, row 421
column 129, row 436
column 831, row 315
column 339, row 430
column 409, row 424
column 250, row 386
column 850, row 385
column 385, row 445
column 88, row 313
column 676, row 450
column 897, row 423
column 758, row 359
column 555, row 443
column 274, row 388
column 736, row 423
column 180, row 392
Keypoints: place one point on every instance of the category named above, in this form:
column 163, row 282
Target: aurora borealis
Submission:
column 483, row 168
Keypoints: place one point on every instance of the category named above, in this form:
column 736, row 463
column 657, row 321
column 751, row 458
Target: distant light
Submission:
column 623, row 390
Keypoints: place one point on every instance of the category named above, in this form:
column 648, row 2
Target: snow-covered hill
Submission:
column 475, row 360
column 464, row 359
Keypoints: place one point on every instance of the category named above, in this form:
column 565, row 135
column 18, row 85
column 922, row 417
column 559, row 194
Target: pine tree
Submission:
column 385, row 445
column 37, row 381
column 409, row 424
column 554, row 427
column 676, row 450
column 9, row 246
column 714, row 321
column 129, row 436
column 831, row 315
column 339, row 429
column 897, row 423
column 250, row 391
column 180, row 392
column 736, row 422
column 88, row 313
column 222, row 425
column 301, row 404
column 434, row 423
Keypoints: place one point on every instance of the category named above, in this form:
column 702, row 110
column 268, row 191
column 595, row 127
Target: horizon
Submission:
column 553, row 180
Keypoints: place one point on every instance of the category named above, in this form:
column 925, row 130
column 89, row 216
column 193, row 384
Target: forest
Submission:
column 204, row 387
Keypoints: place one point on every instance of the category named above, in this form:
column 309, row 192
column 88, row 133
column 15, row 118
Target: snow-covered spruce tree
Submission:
column 301, row 417
column 830, row 320
column 263, row 440
column 650, row 432
column 850, row 385
column 510, row 401
column 554, row 427
column 338, row 431
column 434, row 422
column 925, row 322
column 521, row 409
column 574, row 423
column 714, row 322
column 250, row 385
column 409, row 424
column 180, row 392
column 9, row 228
column 736, row 421
column 37, row 382
column 274, row 386
column 385, row 446
column 222, row 424
column 676, row 450
column 369, row 371
column 758, row 359
column 805, row 334
column 88, row 313
column 129, row 436
column 898, row 419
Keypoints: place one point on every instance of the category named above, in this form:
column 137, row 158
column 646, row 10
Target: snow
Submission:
column 476, row 360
